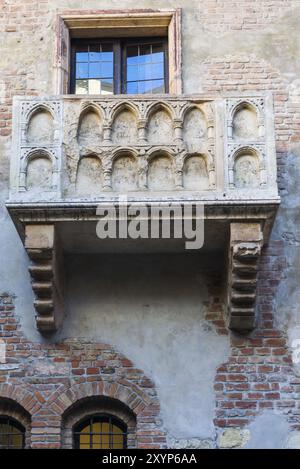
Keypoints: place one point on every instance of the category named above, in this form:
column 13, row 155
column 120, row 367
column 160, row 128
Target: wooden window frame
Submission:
column 120, row 66
column 109, row 24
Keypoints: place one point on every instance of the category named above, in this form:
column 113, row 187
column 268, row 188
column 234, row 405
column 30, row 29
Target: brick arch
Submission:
column 127, row 393
column 13, row 410
column 20, row 404
column 87, row 407
column 146, row 409
column 24, row 397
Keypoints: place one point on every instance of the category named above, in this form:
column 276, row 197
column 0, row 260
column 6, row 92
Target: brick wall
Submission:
column 47, row 379
column 248, row 15
column 22, row 25
column 259, row 373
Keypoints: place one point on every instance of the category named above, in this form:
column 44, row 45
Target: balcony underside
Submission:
column 236, row 232
column 76, row 224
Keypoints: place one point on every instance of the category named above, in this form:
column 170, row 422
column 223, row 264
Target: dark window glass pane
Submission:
column 11, row 434
column 103, row 433
column 17, row 440
column 107, row 47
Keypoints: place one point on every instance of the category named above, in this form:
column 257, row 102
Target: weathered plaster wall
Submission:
column 225, row 48
column 130, row 300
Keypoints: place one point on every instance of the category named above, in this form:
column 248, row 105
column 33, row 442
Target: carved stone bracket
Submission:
column 46, row 273
column 244, row 253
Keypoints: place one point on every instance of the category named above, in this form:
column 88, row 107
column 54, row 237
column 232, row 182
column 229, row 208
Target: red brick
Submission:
column 272, row 395
column 237, row 377
column 275, row 342
column 265, row 368
column 245, row 404
column 255, row 395
column 92, row 371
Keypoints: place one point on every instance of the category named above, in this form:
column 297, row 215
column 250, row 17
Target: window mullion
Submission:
column 91, row 430
column 166, row 66
column 117, row 67
column 124, row 68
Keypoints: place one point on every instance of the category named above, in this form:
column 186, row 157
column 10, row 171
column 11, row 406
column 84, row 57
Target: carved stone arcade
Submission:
column 71, row 154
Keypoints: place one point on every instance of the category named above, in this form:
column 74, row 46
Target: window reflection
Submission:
column 94, row 69
column 117, row 66
column 145, row 68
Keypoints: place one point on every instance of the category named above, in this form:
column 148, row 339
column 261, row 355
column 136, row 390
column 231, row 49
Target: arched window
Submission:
column 100, row 432
column 12, row 434
column 97, row 422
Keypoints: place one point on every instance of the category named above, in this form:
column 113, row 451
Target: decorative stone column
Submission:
column 178, row 124
column 107, row 134
column 142, row 137
column 107, row 179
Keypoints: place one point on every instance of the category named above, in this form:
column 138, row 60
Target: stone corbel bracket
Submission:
column 246, row 241
column 46, row 271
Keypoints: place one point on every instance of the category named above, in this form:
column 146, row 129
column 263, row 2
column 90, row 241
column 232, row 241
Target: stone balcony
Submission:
column 71, row 154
